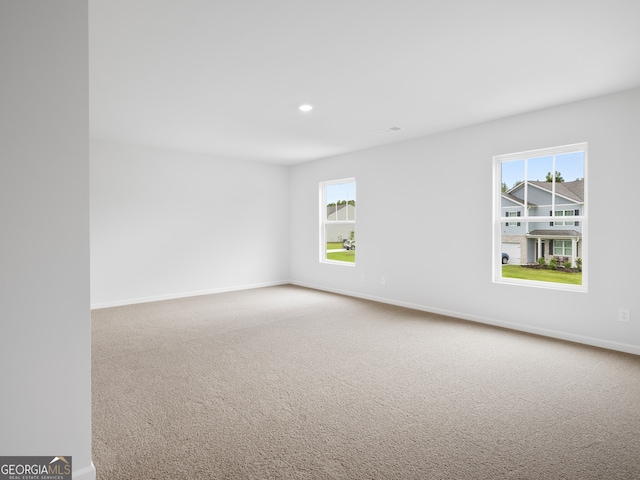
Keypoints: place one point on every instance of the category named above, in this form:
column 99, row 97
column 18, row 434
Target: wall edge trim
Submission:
column 86, row 473
column 556, row 334
column 195, row 293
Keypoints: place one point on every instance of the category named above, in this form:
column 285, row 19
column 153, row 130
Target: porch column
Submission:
column 539, row 250
column 574, row 251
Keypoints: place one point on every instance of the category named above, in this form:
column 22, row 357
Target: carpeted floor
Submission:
column 291, row 383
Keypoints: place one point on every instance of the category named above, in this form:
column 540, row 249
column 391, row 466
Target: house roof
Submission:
column 333, row 209
column 514, row 199
column 335, row 214
column 572, row 190
column 554, row 233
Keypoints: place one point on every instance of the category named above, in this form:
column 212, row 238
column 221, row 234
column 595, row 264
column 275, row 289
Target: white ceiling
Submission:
column 226, row 77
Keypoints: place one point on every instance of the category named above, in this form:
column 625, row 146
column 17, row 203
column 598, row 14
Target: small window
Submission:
column 564, row 213
column 547, row 190
column 513, row 214
column 338, row 221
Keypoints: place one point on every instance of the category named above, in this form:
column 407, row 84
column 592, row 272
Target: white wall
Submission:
column 166, row 224
column 45, row 357
column 443, row 264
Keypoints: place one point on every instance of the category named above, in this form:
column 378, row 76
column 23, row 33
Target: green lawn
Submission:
column 348, row 256
column 541, row 275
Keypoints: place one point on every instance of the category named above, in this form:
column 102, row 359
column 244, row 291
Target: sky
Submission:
column 341, row 191
column 570, row 166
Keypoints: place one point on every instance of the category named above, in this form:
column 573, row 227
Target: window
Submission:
column 546, row 190
column 562, row 248
column 565, row 213
column 338, row 221
column 513, row 214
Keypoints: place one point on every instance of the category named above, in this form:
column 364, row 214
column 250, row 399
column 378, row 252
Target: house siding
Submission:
column 337, row 232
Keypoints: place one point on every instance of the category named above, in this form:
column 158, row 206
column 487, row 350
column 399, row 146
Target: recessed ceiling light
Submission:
column 305, row 107
column 387, row 130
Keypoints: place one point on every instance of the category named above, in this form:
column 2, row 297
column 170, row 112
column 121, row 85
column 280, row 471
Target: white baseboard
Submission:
column 585, row 340
column 172, row 296
column 87, row 473
column 595, row 342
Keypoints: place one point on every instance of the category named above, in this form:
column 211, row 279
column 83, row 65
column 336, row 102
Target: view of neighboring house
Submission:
column 343, row 212
column 527, row 241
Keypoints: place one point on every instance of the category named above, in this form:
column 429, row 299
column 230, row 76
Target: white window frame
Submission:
column 324, row 222
column 564, row 247
column 499, row 219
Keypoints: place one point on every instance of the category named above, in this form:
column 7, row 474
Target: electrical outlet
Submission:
column 362, row 277
column 624, row 315
column 382, row 280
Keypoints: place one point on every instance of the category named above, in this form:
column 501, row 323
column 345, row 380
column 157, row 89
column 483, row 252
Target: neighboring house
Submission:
column 337, row 232
column 342, row 212
column 526, row 242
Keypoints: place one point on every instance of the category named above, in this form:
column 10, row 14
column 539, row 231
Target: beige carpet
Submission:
column 287, row 382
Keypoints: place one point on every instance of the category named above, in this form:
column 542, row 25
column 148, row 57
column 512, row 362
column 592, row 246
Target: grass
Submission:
column 541, row 275
column 348, row 256
column 345, row 256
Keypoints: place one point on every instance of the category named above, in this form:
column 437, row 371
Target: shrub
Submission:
column 542, row 262
column 579, row 264
column 553, row 264
column 567, row 265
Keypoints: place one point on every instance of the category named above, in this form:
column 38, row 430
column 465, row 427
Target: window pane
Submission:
column 341, row 200
column 570, row 166
column 539, row 168
column 558, row 247
column 340, row 239
column 512, row 174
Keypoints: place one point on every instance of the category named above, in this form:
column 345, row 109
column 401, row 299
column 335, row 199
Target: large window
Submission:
column 338, row 221
column 546, row 190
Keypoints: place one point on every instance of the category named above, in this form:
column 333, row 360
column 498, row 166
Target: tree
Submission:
column 505, row 187
column 559, row 178
column 342, row 202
